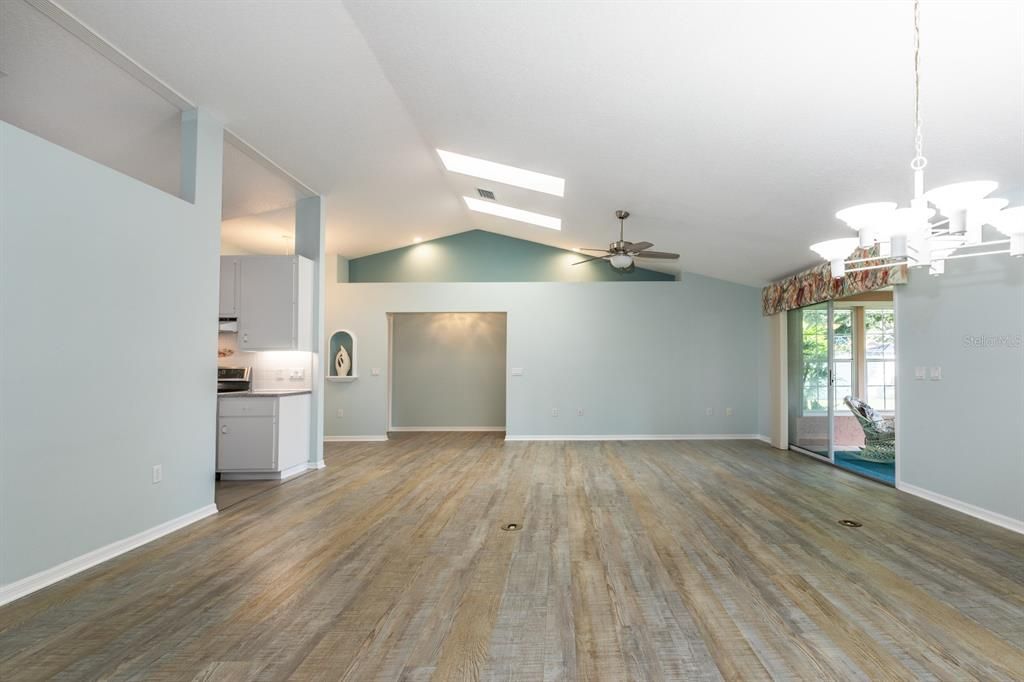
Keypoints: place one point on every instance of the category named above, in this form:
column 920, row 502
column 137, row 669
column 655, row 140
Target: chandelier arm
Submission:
column 896, row 259
column 972, row 255
column 871, row 267
column 994, row 242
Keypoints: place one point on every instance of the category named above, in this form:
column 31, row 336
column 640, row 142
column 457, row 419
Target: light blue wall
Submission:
column 480, row 256
column 641, row 358
column 107, row 336
column 449, row 370
column 963, row 437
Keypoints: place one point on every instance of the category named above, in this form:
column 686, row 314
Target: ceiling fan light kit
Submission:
column 908, row 235
column 622, row 255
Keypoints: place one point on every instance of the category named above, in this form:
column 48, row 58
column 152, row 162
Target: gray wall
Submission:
column 963, row 437
column 448, row 370
column 641, row 358
column 107, row 338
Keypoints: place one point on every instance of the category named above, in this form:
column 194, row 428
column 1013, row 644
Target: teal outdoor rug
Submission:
column 884, row 472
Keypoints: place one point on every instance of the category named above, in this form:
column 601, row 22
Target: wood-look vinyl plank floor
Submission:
column 659, row 560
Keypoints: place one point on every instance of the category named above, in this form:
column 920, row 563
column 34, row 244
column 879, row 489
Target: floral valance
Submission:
column 817, row 285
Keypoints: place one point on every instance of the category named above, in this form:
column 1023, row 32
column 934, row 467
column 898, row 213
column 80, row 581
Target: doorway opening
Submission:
column 842, row 383
column 447, row 371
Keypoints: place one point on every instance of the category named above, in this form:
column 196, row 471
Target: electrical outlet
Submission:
column 279, row 375
column 728, row 412
column 709, row 411
column 517, row 371
column 375, row 371
column 158, row 473
column 554, row 411
column 579, row 412
column 297, row 374
column 341, row 412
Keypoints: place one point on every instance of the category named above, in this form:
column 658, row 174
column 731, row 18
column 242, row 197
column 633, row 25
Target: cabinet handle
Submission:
column 224, row 428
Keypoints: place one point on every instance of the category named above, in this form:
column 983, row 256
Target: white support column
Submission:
column 202, row 161
column 310, row 216
column 779, row 383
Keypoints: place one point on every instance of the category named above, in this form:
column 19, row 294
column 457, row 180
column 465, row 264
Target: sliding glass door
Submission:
column 810, row 355
column 842, row 383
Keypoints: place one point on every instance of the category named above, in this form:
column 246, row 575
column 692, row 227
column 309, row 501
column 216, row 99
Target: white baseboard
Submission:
column 20, row 588
column 283, row 475
column 964, row 507
column 354, row 439
column 447, row 428
column 763, row 438
column 320, row 464
column 702, row 436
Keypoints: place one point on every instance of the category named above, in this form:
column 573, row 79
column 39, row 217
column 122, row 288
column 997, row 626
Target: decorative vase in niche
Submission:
column 342, row 362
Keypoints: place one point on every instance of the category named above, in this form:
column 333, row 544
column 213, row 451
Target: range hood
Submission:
column 228, row 325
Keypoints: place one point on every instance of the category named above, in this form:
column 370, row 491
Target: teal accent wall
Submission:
column 481, row 256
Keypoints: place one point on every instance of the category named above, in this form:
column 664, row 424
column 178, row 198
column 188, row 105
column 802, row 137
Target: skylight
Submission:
column 503, row 211
column 498, row 172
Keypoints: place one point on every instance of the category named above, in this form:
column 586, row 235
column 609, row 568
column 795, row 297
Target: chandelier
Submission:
column 910, row 235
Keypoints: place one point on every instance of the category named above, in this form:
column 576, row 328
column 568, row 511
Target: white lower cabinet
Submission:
column 262, row 437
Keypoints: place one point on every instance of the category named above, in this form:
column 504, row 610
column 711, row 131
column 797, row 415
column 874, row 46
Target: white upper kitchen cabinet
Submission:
column 275, row 303
column 229, row 286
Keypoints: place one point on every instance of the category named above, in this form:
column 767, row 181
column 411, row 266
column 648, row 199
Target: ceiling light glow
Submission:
column 503, row 211
column 498, row 172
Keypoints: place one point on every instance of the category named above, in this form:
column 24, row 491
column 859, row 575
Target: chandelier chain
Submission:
column 918, row 162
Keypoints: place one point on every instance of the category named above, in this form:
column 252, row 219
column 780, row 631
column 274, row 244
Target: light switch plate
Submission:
column 375, row 371
column 936, row 373
column 517, row 371
column 920, row 373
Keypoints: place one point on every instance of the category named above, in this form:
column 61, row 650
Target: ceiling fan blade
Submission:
column 640, row 246
column 587, row 260
column 583, row 248
column 657, row 254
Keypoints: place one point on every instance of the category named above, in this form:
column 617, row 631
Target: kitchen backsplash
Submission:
column 271, row 370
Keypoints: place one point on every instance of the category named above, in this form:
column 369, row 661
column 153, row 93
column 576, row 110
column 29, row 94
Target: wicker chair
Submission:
column 879, row 432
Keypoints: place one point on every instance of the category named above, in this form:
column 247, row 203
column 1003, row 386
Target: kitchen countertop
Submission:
column 266, row 394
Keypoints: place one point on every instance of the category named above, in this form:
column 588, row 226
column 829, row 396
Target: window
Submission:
column 880, row 359
column 842, row 358
column 868, row 372
column 815, row 360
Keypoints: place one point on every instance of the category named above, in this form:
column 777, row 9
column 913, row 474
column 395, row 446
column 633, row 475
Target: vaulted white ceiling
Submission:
column 731, row 130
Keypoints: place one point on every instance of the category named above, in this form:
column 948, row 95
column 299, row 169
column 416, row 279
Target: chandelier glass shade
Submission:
column 910, row 235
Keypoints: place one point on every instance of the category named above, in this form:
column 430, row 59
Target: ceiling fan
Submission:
column 621, row 254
